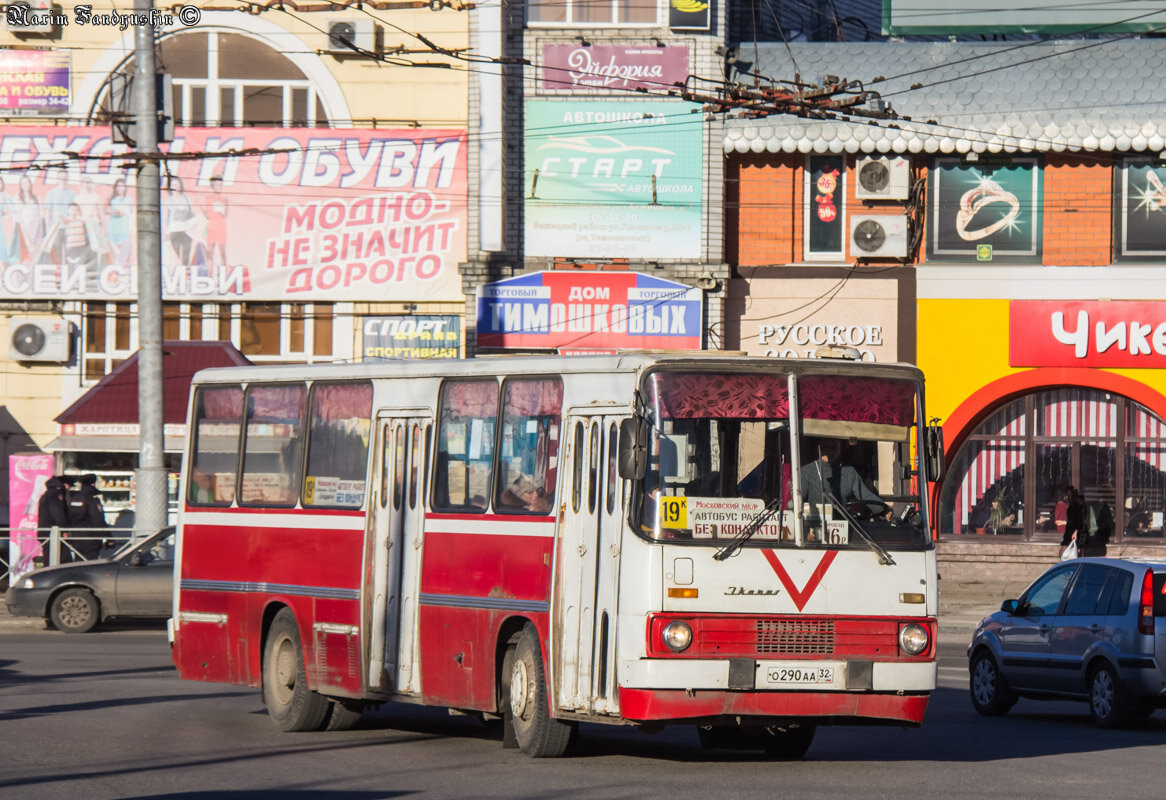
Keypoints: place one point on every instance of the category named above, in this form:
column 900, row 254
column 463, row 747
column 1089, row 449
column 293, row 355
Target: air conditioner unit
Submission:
column 883, row 178
column 38, row 339
column 354, row 37
column 883, row 236
column 29, row 16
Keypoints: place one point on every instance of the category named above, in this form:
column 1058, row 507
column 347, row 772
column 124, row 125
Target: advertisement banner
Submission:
column 610, row 68
column 824, row 200
column 690, row 15
column 257, row 214
column 420, row 336
column 1066, row 333
column 34, row 81
column 1142, row 210
column 614, row 180
column 981, row 211
column 27, row 475
column 597, row 310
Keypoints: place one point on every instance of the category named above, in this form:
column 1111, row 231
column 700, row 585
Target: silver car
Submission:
column 136, row 581
column 1086, row 629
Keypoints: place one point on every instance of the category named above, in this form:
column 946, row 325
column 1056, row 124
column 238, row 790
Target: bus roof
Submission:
column 542, row 364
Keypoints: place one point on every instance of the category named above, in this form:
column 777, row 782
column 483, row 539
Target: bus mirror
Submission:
column 933, row 452
column 633, row 449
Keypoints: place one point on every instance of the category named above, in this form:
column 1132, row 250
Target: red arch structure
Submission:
column 985, row 401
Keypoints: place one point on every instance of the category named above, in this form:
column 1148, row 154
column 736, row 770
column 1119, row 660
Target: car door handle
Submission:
column 1045, row 628
column 1095, row 628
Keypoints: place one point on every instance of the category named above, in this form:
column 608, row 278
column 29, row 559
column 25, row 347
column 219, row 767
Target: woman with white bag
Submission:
column 1076, row 518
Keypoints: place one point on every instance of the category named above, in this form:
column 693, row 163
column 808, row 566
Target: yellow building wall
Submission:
column 962, row 346
column 393, row 94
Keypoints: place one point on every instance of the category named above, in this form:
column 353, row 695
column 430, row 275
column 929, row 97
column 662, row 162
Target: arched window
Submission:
column 1010, row 473
column 230, row 80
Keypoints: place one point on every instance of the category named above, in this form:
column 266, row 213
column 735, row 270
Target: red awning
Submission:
column 114, row 400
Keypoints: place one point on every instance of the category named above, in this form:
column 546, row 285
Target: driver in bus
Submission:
column 840, row 480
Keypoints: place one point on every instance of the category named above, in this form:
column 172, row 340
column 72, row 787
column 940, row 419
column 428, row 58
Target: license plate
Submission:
column 801, row 675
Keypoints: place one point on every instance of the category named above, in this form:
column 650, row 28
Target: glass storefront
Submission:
column 1010, row 473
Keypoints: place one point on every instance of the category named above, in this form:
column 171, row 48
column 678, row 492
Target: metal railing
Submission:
column 62, row 547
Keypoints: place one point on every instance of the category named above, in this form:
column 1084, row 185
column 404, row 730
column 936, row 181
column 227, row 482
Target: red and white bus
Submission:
column 626, row 539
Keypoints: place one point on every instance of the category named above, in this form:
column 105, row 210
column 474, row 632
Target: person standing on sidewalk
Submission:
column 52, row 510
column 85, row 515
column 1076, row 520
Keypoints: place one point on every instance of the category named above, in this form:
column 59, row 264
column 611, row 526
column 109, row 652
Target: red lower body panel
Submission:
column 651, row 705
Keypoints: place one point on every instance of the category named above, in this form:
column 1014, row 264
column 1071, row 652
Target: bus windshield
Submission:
column 836, row 450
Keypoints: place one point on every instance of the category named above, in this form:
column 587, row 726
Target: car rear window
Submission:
column 1160, row 594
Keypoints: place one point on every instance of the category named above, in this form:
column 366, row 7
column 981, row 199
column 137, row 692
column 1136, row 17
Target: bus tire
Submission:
column 75, row 611
column 343, row 714
column 538, row 735
column 290, row 703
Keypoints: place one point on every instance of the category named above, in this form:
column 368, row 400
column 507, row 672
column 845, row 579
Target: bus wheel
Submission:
column 75, row 611
column 538, row 735
column 788, row 742
column 343, row 715
column 290, row 703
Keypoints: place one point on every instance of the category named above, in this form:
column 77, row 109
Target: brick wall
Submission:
column 764, row 224
column 1078, row 217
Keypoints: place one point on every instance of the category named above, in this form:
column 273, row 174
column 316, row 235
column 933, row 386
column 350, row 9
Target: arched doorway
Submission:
column 1007, row 475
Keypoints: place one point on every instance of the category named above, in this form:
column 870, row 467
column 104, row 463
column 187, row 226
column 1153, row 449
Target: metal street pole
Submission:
column 150, row 510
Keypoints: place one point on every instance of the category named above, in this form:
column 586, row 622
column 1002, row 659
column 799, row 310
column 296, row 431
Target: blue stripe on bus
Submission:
column 501, row 603
column 326, row 592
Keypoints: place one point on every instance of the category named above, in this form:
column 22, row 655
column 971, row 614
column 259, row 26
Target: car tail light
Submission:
column 1146, row 605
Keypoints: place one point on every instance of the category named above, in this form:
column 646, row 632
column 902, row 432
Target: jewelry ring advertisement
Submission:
column 974, row 204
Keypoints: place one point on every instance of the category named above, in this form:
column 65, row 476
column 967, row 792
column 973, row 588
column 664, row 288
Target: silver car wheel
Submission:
column 984, row 681
column 1103, row 693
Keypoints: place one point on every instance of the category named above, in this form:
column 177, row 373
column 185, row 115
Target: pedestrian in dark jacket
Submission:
column 86, row 512
column 52, row 510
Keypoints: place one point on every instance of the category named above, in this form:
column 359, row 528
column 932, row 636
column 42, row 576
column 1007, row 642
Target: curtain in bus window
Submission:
column 528, row 460
column 273, row 445
column 857, row 399
column 720, row 395
column 465, row 445
column 338, row 438
column 217, row 415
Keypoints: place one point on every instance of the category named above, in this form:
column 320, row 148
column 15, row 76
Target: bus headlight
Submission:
column 913, row 639
column 677, row 636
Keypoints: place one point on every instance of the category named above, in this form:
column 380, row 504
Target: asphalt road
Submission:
column 105, row 715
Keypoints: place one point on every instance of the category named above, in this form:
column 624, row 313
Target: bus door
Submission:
column 393, row 559
column 587, row 577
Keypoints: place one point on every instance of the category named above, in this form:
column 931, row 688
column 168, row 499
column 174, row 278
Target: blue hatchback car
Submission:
column 1086, row 629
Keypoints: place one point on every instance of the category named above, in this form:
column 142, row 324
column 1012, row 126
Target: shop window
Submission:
column 823, row 202
column 338, row 435
column 273, row 446
column 1140, row 200
column 1008, row 477
column 984, row 212
column 592, row 12
column 264, row 332
column 218, row 412
column 465, row 445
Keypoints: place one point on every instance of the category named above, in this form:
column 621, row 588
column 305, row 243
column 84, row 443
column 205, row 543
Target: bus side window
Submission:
column 612, row 458
column 465, row 444
column 529, row 445
column 414, row 466
column 218, row 414
column 398, row 465
column 273, row 446
column 593, row 471
column 339, row 426
column 577, row 469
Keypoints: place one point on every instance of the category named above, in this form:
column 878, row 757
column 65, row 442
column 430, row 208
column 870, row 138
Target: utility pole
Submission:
column 150, row 512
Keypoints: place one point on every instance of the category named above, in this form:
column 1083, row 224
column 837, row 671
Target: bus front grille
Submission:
column 795, row 636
